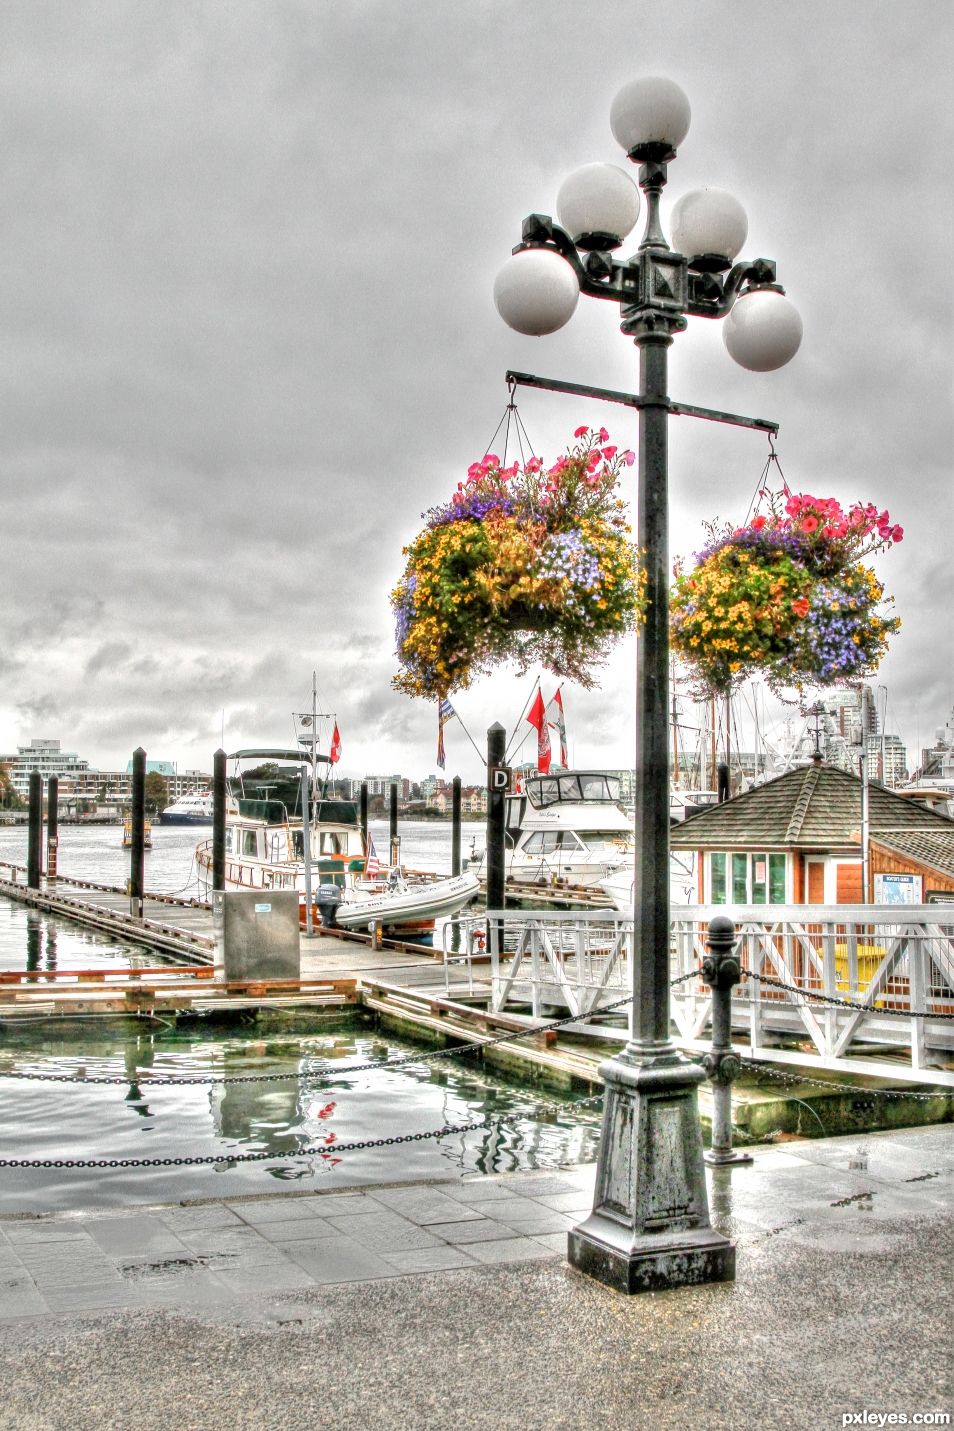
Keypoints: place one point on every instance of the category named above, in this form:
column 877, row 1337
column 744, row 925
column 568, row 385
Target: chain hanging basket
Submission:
column 786, row 597
column 525, row 563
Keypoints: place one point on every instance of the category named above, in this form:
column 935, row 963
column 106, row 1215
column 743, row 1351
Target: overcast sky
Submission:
column 248, row 336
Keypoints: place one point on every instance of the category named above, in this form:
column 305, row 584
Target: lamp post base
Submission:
column 649, row 1228
column 732, row 1159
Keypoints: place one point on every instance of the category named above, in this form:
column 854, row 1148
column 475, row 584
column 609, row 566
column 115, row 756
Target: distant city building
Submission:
column 46, row 757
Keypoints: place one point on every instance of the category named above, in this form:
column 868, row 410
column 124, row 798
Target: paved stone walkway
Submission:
column 450, row 1305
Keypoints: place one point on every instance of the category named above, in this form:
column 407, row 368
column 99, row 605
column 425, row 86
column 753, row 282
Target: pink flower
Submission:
column 810, row 524
column 603, row 435
column 609, row 453
column 629, row 458
column 897, row 534
column 534, row 464
column 758, row 524
column 491, row 460
column 581, row 432
column 474, row 471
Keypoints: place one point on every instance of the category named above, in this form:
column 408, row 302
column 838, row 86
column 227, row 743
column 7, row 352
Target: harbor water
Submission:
column 306, row 1100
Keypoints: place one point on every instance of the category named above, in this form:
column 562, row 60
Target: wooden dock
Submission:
column 406, row 986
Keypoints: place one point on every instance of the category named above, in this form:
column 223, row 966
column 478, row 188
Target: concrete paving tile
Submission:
column 134, row 1234
column 429, row 1259
column 199, row 1287
column 29, row 1234
column 482, row 1229
column 541, row 1220
column 343, row 1204
column 576, row 1203
column 380, row 1230
column 554, row 1242
column 475, row 1190
column 502, row 1207
column 235, row 1238
column 423, row 1205
column 299, row 1228
column 277, row 1276
column 278, row 1209
column 91, row 1298
column 339, row 1260
column 83, row 1267
column 21, row 1299
column 538, row 1185
column 514, row 1249
column 191, row 1219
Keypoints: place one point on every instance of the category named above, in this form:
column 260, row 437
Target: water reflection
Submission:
column 314, row 1110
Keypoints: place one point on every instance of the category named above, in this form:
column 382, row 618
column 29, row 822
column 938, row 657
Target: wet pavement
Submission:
column 450, row 1304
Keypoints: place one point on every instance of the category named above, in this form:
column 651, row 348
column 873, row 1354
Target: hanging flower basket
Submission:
column 786, row 597
column 524, row 563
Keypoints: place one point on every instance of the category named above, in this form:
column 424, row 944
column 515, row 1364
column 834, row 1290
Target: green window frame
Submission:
column 717, row 870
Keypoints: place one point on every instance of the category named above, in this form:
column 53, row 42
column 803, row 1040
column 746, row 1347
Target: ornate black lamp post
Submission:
column 650, row 1227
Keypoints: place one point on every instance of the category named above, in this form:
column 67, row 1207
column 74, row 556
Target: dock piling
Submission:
column 52, row 826
column 35, row 833
column 138, row 846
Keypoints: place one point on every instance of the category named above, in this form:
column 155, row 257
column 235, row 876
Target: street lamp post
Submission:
column 650, row 1226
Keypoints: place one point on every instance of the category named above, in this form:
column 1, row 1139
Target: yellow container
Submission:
column 869, row 961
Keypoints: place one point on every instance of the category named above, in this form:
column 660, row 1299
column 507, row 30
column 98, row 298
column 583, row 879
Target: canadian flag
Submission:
column 537, row 716
column 557, row 719
column 334, row 754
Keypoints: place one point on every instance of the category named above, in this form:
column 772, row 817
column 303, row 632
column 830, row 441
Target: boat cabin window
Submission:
column 552, row 789
column 297, row 844
column 228, row 837
column 601, row 839
column 249, row 842
column 741, row 878
column 332, row 842
column 547, row 842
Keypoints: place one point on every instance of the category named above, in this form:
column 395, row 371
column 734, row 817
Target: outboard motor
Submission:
column 327, row 900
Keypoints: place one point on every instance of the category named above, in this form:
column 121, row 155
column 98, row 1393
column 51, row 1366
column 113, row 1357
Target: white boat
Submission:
column 194, row 808
column 618, row 887
column 265, row 850
column 566, row 827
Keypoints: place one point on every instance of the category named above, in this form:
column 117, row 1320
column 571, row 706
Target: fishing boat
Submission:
column 324, row 856
column 193, row 808
column 564, row 827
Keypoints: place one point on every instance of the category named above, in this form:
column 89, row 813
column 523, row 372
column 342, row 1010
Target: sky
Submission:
column 247, row 254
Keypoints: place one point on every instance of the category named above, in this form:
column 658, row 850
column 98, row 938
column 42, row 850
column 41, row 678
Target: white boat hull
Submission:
column 427, row 901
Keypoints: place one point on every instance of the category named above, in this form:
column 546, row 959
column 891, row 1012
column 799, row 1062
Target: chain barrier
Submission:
column 323, row 1149
column 828, row 1084
column 811, row 994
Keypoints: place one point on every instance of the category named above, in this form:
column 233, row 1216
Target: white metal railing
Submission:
column 896, row 965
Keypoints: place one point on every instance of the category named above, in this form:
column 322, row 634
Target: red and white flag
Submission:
column 537, row 716
column 334, row 754
column 557, row 719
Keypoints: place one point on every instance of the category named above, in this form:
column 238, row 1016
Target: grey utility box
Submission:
column 257, row 933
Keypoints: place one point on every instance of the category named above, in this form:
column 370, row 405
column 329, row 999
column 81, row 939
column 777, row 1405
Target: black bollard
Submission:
column 219, row 794
column 52, row 825
column 35, row 834
column 363, row 809
column 138, row 846
column 498, row 781
column 721, row 971
column 393, row 829
column 455, row 826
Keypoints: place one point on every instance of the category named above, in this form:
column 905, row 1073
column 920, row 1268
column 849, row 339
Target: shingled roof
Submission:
column 817, row 807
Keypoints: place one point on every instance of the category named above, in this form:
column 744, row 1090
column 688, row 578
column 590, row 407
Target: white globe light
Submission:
column 536, row 291
column 599, row 200
column 652, row 110
column 763, row 330
column 709, row 221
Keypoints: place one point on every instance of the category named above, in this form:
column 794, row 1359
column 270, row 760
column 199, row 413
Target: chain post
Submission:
column 721, row 971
